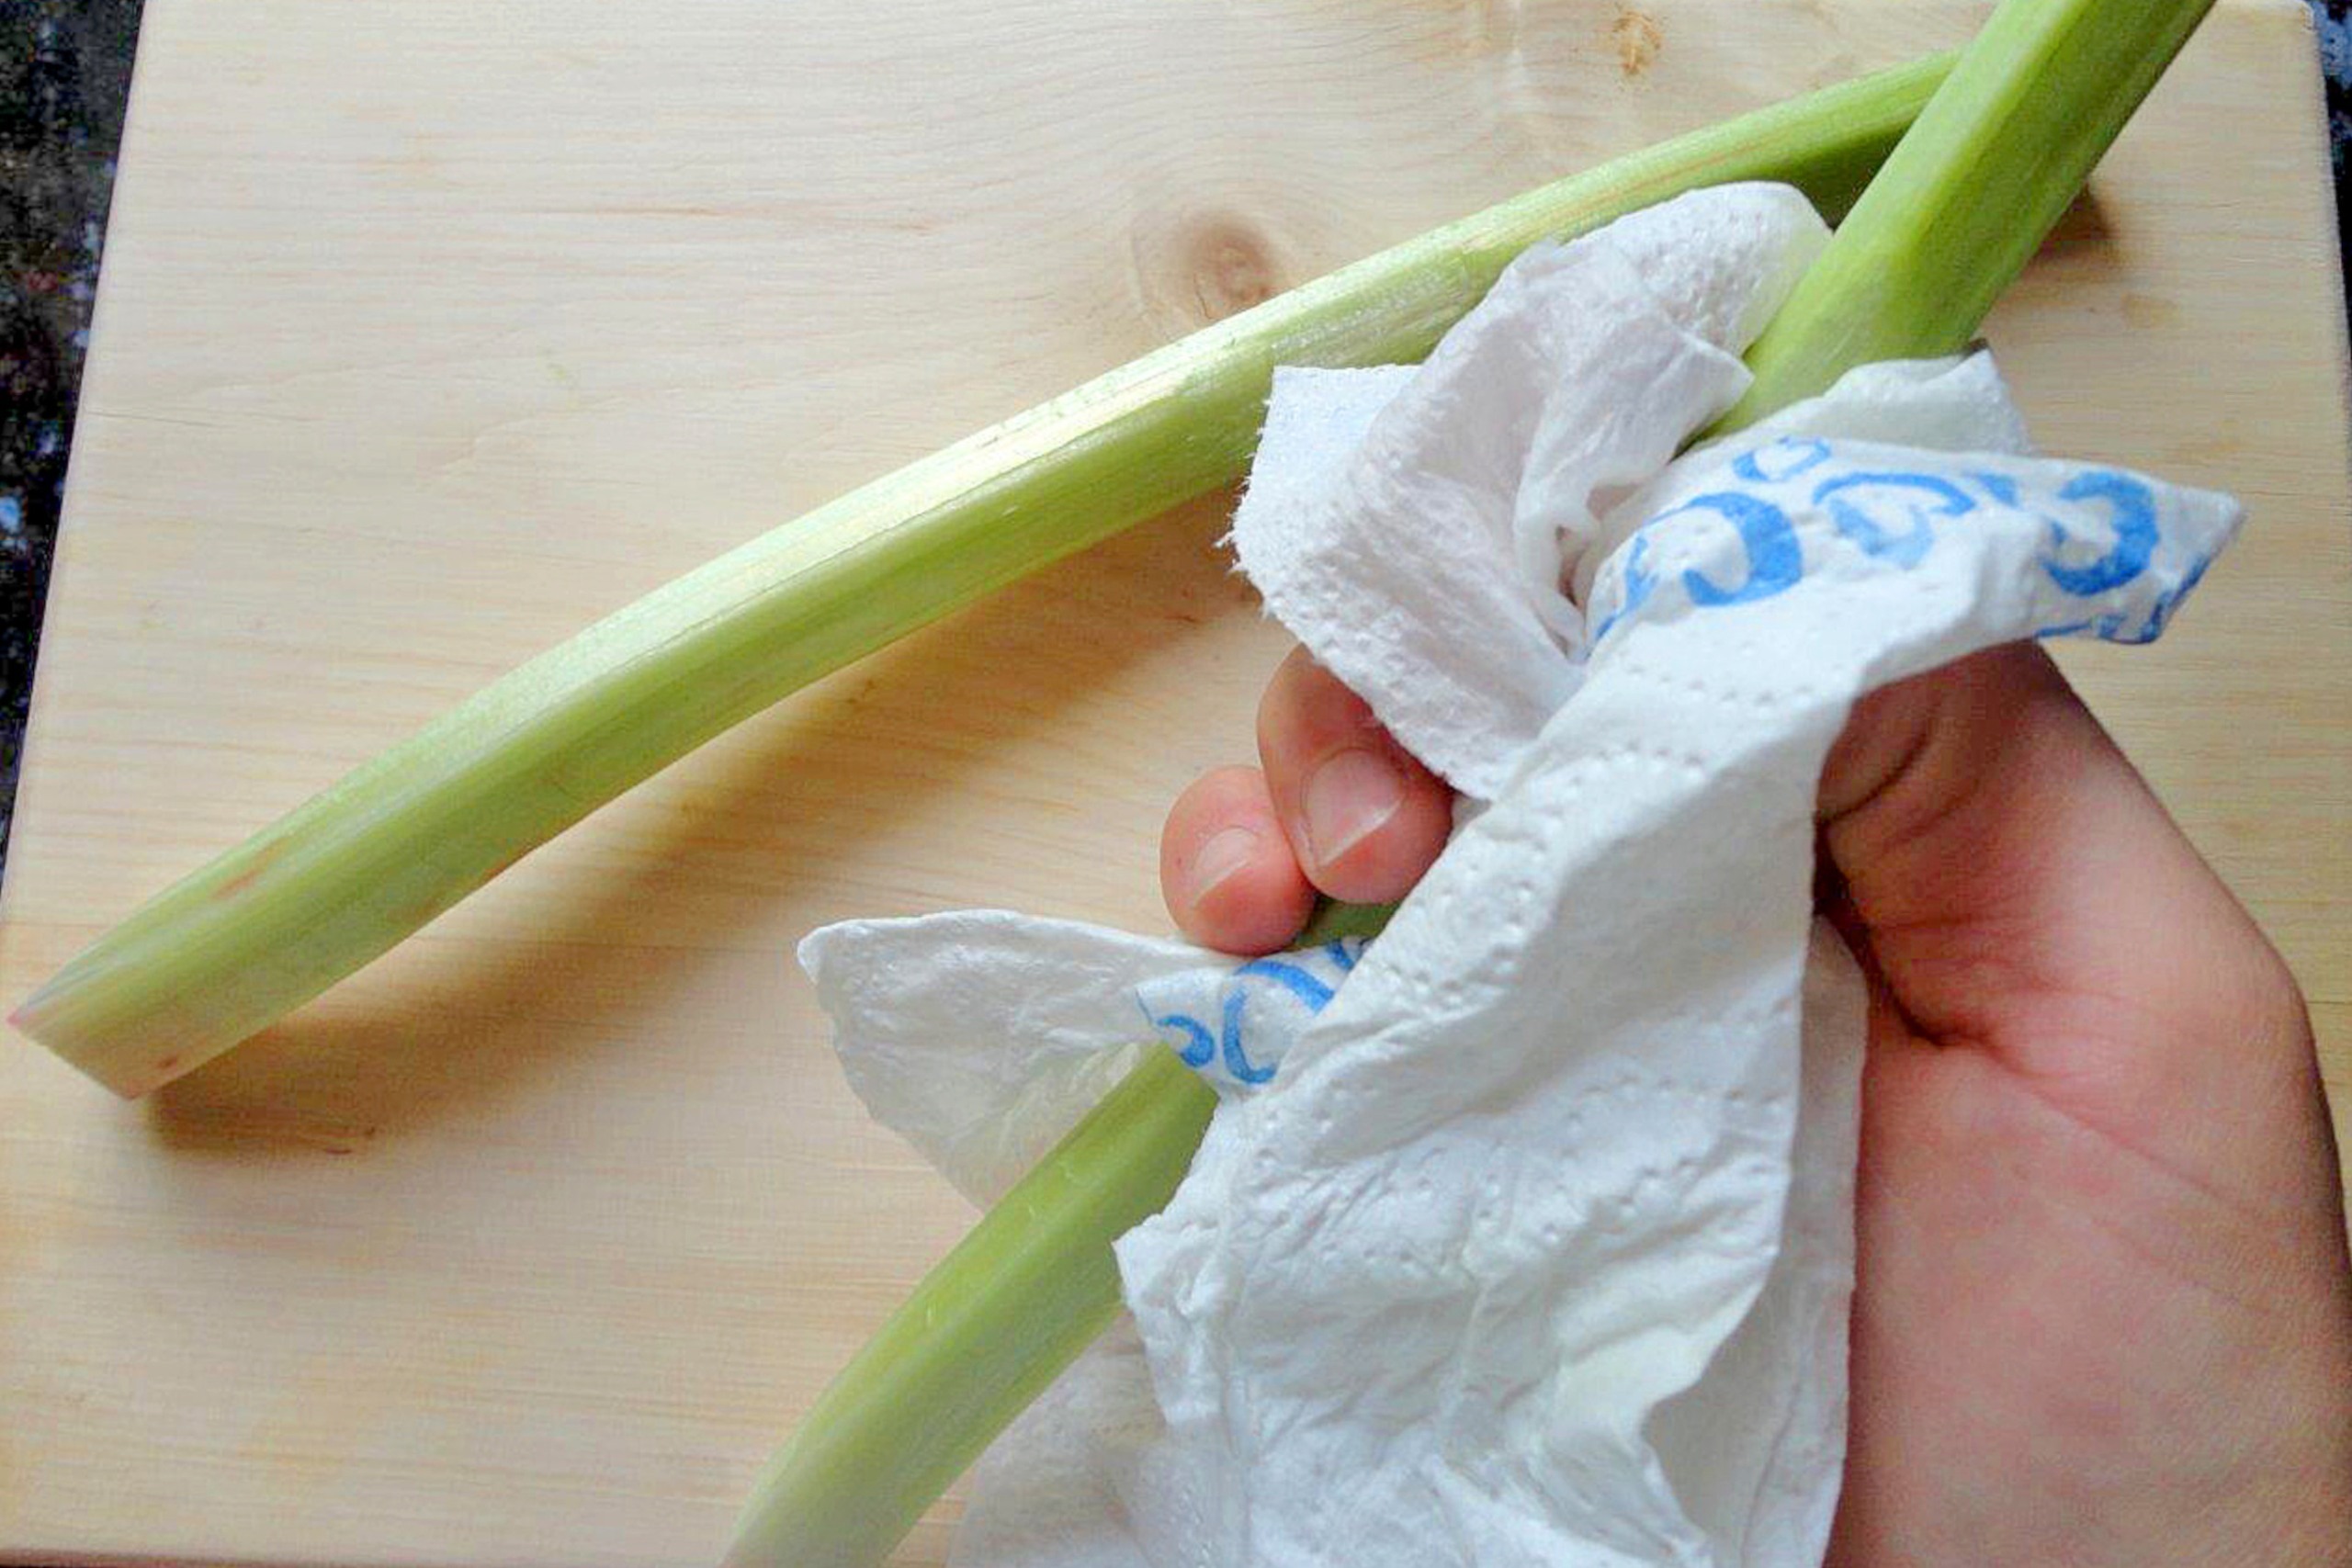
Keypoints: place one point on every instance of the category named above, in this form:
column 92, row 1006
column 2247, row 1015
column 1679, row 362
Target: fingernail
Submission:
column 1349, row 795
column 1227, row 851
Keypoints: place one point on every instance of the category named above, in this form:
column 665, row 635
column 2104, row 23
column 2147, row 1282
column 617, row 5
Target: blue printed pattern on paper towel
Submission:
column 1233, row 1026
column 2100, row 528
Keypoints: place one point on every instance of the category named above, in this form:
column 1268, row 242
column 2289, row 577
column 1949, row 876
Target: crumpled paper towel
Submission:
column 1537, row 1246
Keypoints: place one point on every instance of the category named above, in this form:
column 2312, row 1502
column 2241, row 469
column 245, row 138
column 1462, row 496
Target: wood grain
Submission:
column 423, row 341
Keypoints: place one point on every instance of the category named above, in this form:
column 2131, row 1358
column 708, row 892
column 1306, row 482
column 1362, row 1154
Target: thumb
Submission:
column 2017, row 887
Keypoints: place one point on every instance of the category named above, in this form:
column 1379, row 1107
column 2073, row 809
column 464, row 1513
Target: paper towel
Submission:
column 982, row 1035
column 1536, row 1245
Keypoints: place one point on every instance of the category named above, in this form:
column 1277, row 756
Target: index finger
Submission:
column 1363, row 815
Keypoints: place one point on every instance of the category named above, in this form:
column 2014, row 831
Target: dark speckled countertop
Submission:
column 64, row 75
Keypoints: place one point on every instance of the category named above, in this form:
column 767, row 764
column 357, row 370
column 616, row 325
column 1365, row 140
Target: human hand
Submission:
column 2103, row 1308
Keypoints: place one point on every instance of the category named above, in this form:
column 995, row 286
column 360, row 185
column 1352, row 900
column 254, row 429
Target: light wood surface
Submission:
column 427, row 336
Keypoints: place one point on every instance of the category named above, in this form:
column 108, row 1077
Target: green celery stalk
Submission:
column 1969, row 195
column 1989, row 167
column 982, row 1336
column 341, row 879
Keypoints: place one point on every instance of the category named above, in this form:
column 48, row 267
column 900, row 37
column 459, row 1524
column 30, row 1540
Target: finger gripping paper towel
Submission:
column 1524, row 1234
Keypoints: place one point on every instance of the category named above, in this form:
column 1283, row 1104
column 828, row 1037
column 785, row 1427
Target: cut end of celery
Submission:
column 131, row 1064
column 128, row 1073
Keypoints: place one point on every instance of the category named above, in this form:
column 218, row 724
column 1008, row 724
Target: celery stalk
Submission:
column 341, row 879
column 982, row 1336
column 1961, row 203
column 1971, row 191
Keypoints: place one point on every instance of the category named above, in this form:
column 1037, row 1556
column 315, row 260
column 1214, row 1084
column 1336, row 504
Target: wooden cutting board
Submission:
column 427, row 335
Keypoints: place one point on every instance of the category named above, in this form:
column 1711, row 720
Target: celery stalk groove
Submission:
column 1989, row 167
column 341, row 879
